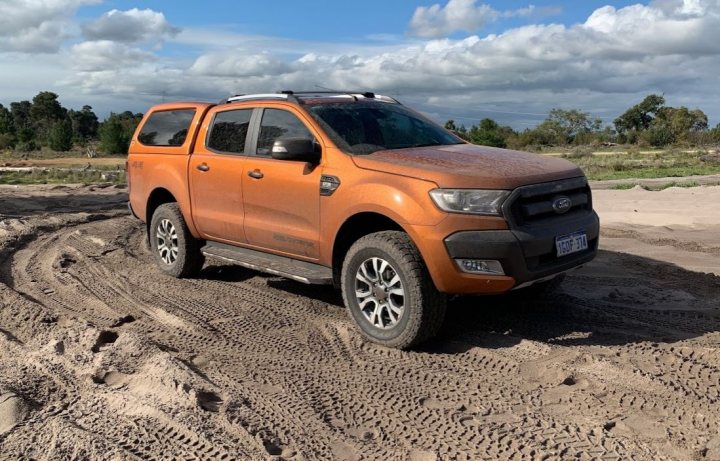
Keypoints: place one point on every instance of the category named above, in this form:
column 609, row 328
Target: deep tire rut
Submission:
column 118, row 361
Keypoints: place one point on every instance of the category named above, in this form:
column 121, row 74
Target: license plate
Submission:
column 568, row 244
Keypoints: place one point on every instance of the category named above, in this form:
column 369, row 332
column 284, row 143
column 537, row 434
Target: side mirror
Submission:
column 298, row 149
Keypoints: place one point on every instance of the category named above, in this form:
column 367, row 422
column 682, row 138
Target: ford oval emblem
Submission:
column 562, row 204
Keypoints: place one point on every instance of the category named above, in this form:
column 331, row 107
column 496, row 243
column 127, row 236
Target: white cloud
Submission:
column 130, row 26
column 36, row 26
column 238, row 65
column 464, row 15
column 603, row 65
column 613, row 51
column 105, row 55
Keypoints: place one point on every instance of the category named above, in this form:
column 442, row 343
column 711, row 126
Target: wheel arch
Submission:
column 157, row 197
column 355, row 227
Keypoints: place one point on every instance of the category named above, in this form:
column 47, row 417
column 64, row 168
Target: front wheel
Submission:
column 176, row 251
column 388, row 291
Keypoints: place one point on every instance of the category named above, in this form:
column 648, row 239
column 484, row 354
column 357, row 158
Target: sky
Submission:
column 465, row 60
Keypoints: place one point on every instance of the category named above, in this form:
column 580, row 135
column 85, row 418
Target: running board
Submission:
column 301, row 271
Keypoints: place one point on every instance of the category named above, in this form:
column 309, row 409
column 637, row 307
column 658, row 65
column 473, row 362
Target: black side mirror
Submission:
column 298, row 149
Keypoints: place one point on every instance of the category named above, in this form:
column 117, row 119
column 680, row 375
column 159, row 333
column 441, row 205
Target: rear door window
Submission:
column 166, row 128
column 229, row 131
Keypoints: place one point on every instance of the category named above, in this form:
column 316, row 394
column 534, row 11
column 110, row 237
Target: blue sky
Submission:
column 463, row 59
column 326, row 20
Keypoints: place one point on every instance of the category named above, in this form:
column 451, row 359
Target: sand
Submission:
column 676, row 225
column 103, row 357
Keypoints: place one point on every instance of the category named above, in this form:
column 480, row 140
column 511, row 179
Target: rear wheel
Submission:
column 388, row 291
column 176, row 251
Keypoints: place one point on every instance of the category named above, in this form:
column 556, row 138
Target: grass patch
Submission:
column 625, row 186
column 47, row 153
column 678, row 184
column 62, row 176
column 669, row 163
column 77, row 156
column 664, row 186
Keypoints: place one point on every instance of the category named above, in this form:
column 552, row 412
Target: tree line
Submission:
column 650, row 123
column 43, row 122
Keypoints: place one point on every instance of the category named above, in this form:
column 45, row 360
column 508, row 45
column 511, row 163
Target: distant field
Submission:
column 67, row 162
column 600, row 165
column 606, row 165
column 100, row 174
column 48, row 167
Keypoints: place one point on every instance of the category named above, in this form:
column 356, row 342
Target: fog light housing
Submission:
column 480, row 266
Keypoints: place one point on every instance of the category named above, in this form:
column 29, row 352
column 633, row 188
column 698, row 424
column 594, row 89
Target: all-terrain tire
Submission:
column 176, row 251
column 424, row 306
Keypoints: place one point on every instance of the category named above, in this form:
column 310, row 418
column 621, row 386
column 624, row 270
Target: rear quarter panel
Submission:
column 153, row 167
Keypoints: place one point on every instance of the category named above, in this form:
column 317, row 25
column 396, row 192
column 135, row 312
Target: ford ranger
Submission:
column 356, row 190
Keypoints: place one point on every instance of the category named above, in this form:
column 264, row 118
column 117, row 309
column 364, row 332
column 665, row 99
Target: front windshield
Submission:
column 362, row 128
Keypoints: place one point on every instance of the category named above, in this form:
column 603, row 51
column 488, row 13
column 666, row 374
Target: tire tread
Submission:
column 425, row 322
column 190, row 258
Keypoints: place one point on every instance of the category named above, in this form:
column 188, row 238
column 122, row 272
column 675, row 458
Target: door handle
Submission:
column 256, row 174
column 203, row 167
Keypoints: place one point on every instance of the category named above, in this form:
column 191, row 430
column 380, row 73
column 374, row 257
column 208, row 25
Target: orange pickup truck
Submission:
column 356, row 190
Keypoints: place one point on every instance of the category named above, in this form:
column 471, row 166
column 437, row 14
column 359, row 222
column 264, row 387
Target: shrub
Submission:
column 113, row 138
column 60, row 138
column 26, row 146
column 7, row 141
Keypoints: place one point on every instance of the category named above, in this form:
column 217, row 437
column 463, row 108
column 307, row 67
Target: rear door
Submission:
column 281, row 197
column 216, row 175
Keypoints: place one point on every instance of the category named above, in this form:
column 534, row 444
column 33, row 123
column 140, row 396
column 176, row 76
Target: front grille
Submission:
column 533, row 204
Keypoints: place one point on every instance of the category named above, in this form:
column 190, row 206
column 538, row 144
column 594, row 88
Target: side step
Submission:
column 272, row 264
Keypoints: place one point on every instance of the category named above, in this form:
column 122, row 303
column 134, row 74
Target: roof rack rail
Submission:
column 291, row 95
column 250, row 97
column 351, row 93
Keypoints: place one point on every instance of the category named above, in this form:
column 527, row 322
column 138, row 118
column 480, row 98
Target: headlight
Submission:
column 474, row 201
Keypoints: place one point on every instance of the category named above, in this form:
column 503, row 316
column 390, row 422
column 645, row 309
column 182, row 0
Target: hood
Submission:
column 469, row 166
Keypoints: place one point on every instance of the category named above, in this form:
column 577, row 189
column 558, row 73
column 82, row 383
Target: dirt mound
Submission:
column 103, row 357
column 13, row 410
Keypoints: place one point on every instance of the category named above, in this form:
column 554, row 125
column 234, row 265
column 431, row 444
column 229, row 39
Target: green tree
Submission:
column 84, row 123
column 6, row 121
column 60, row 138
column 7, row 129
column 639, row 117
column 489, row 133
column 572, row 125
column 44, row 113
column 681, row 121
column 460, row 131
column 22, row 121
column 113, row 138
column 714, row 134
column 117, row 130
column 547, row 133
column 673, row 125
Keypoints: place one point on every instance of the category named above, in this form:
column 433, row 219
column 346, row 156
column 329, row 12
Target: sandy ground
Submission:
column 102, row 357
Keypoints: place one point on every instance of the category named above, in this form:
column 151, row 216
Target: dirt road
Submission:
column 102, row 357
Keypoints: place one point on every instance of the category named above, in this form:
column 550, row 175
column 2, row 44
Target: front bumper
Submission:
column 527, row 254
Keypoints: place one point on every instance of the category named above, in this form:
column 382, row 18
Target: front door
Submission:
column 281, row 197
